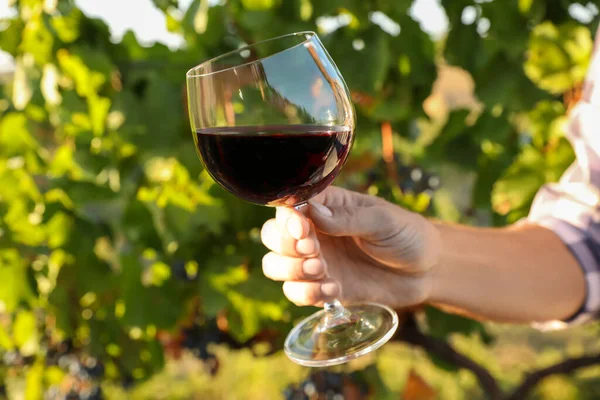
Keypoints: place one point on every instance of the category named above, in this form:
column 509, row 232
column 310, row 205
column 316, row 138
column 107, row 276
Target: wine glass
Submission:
column 273, row 123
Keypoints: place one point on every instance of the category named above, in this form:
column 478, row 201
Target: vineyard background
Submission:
column 125, row 272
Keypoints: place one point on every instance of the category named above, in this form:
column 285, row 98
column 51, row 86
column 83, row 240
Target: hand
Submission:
column 354, row 248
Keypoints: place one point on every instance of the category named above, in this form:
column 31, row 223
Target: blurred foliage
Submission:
column 112, row 236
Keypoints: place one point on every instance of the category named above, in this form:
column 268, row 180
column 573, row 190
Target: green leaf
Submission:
column 210, row 22
column 98, row 107
column 6, row 341
column 15, row 138
column 508, row 28
column 518, row 185
column 441, row 325
column 491, row 128
column 89, row 69
column 95, row 203
column 489, row 170
column 15, row 287
column 259, row 5
column 68, row 27
column 58, row 229
column 186, row 225
column 502, row 82
column 558, row 160
column 251, row 300
column 371, row 76
column 416, row 54
column 558, row 56
column 165, row 4
column 37, row 40
column 454, row 143
column 464, row 47
column 163, row 307
column 525, row 5
column 515, row 190
column 25, row 333
column 158, row 273
column 546, row 122
column 62, row 308
column 199, row 11
column 162, row 112
column 34, row 387
column 10, row 37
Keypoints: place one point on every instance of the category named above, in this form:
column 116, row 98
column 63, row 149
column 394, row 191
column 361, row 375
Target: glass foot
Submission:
column 368, row 327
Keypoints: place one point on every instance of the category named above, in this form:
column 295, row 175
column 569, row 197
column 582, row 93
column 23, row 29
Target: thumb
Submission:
column 372, row 222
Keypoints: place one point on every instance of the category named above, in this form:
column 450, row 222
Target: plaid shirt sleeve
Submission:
column 571, row 207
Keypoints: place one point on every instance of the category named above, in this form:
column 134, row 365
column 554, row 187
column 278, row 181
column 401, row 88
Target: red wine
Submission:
column 274, row 165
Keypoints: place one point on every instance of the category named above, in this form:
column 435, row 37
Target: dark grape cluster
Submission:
column 180, row 273
column 82, row 373
column 410, row 178
column 326, row 385
column 198, row 337
column 86, row 393
column 415, row 179
column 14, row 358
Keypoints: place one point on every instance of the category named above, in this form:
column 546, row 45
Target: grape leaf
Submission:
column 369, row 78
column 14, row 284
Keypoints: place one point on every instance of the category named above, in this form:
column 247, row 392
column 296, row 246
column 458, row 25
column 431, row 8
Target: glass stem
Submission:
column 335, row 313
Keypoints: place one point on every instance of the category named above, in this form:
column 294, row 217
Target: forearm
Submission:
column 519, row 274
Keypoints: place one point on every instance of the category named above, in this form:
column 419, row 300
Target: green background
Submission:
column 112, row 235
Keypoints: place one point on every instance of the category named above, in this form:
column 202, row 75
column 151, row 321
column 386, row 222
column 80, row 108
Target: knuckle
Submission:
column 312, row 294
column 296, row 272
column 349, row 211
column 317, row 245
column 311, row 268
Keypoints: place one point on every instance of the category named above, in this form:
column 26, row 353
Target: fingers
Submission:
column 282, row 268
column 294, row 259
column 371, row 222
column 280, row 240
column 292, row 220
column 311, row 293
column 335, row 196
column 340, row 212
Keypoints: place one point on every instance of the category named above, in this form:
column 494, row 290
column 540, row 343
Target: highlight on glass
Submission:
column 273, row 123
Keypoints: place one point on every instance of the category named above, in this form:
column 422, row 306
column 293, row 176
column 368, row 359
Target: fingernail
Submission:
column 294, row 227
column 306, row 246
column 330, row 289
column 313, row 267
column 321, row 209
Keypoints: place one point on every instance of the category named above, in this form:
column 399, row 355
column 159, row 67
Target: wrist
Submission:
column 431, row 262
column 438, row 274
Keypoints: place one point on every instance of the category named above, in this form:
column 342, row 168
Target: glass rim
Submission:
column 310, row 35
